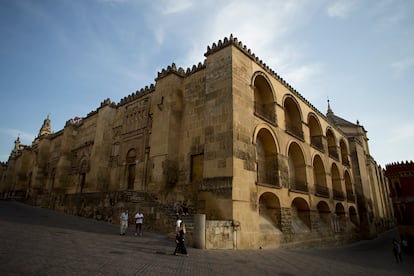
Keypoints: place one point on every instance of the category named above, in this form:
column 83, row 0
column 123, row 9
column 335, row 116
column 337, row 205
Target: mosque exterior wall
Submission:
column 230, row 138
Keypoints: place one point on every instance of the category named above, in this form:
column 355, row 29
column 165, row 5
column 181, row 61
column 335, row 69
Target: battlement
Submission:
column 138, row 94
column 398, row 167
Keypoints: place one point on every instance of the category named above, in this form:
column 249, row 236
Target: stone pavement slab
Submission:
column 36, row 241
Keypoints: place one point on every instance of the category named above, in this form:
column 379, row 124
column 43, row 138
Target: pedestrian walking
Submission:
column 180, row 241
column 139, row 219
column 177, row 224
column 124, row 222
column 396, row 249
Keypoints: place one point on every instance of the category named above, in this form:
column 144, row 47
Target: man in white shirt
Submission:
column 139, row 218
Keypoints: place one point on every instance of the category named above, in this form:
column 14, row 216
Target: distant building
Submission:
column 401, row 182
column 255, row 162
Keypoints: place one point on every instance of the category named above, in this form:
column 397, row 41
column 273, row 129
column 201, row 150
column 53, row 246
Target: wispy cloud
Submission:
column 264, row 28
column 261, row 27
column 341, row 8
column 302, row 74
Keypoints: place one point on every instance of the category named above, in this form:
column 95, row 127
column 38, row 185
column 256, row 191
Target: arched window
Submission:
column 344, row 153
column 348, row 186
column 332, row 147
column 319, row 176
column 266, row 158
column 315, row 132
column 297, row 169
column 264, row 102
column 338, row 194
column 293, row 118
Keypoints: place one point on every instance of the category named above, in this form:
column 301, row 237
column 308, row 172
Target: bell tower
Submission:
column 45, row 129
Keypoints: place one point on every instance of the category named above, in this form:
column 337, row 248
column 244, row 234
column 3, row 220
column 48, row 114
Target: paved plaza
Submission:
column 36, row 241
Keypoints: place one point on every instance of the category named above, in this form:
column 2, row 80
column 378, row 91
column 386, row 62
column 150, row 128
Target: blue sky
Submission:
column 64, row 57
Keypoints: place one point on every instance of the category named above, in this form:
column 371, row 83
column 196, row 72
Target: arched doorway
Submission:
column 84, row 167
column 300, row 216
column 269, row 208
column 340, row 222
column 325, row 217
column 130, row 158
column 353, row 216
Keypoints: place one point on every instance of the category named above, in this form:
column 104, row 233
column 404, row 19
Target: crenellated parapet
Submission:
column 235, row 42
column 221, row 44
column 138, row 94
column 195, row 68
column 172, row 69
column 106, row 102
column 77, row 121
column 400, row 164
column 398, row 167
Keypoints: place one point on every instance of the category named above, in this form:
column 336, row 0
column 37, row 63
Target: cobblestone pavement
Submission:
column 36, row 241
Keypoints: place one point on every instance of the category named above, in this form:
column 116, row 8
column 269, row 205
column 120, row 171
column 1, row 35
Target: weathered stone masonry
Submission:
column 231, row 139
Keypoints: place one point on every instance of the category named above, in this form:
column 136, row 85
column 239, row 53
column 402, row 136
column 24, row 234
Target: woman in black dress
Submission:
column 179, row 240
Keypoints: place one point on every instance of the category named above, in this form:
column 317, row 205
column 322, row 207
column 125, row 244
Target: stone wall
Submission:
column 220, row 235
column 107, row 207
